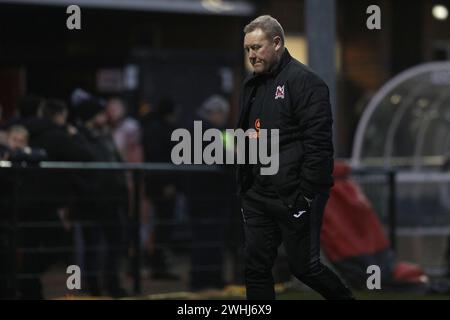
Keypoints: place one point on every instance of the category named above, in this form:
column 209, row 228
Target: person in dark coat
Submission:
column 27, row 107
column 210, row 202
column 287, row 206
column 161, row 189
column 13, row 197
column 43, row 194
column 106, row 205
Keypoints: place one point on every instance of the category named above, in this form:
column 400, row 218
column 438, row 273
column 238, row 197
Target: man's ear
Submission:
column 277, row 42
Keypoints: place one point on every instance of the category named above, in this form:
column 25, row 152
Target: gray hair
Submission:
column 18, row 129
column 215, row 103
column 270, row 26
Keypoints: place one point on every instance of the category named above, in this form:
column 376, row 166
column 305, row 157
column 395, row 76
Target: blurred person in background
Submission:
column 33, row 186
column 161, row 189
column 126, row 131
column 15, row 146
column 209, row 205
column 27, row 108
column 106, row 204
column 50, row 131
column 44, row 195
column 17, row 138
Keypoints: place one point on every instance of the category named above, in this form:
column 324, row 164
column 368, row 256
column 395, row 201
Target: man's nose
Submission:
column 251, row 54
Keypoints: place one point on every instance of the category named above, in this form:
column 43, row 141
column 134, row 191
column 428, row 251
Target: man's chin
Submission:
column 258, row 70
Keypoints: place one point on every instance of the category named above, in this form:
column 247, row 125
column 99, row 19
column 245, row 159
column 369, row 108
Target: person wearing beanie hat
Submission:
column 86, row 106
column 106, row 204
column 214, row 103
column 88, row 109
column 215, row 110
column 161, row 190
column 207, row 263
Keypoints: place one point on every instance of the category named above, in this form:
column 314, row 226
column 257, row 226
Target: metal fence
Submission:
column 205, row 215
column 414, row 206
column 36, row 200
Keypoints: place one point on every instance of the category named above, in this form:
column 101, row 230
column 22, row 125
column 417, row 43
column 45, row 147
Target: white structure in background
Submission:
column 406, row 127
column 407, row 122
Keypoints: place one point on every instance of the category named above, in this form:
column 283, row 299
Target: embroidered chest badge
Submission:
column 279, row 93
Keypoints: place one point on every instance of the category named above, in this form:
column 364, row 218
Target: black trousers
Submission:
column 268, row 223
column 164, row 217
column 208, row 244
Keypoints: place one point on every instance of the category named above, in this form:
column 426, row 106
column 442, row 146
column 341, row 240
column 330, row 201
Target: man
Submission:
column 126, row 131
column 44, row 194
column 104, row 204
column 17, row 138
column 286, row 207
column 50, row 131
column 161, row 189
column 209, row 208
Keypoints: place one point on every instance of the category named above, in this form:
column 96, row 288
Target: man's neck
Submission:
column 277, row 61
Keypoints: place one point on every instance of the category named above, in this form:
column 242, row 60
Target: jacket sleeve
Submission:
column 72, row 148
column 313, row 111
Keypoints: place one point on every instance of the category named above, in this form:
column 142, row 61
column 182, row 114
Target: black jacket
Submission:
column 157, row 145
column 55, row 188
column 302, row 113
column 56, row 141
column 107, row 193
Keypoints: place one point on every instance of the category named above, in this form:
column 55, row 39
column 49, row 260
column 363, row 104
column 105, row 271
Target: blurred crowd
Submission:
column 83, row 217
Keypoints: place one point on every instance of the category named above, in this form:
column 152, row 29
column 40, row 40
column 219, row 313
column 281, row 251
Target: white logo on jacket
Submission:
column 279, row 93
column 299, row 214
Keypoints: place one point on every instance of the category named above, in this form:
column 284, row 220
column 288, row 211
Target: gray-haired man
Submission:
column 286, row 207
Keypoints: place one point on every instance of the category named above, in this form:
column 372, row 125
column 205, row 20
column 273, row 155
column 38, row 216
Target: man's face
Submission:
column 218, row 119
column 115, row 110
column 263, row 53
column 100, row 120
column 17, row 140
column 61, row 118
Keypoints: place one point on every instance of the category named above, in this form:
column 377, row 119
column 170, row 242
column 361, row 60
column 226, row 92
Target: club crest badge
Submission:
column 279, row 93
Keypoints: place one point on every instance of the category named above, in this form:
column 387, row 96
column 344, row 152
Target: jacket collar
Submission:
column 285, row 59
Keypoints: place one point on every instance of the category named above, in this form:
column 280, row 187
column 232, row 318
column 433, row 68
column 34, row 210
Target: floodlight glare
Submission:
column 440, row 12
